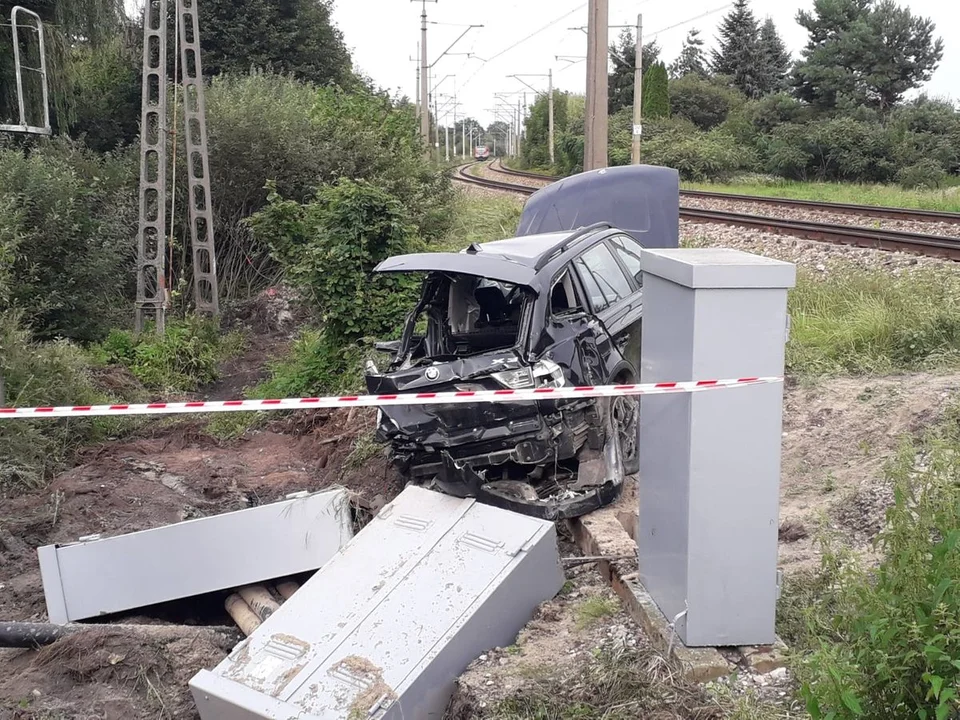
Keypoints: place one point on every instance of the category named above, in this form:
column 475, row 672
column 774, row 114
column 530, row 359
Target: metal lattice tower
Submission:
column 152, row 234
column 151, row 247
column 198, row 164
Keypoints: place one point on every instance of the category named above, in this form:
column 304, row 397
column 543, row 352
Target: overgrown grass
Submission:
column 947, row 199
column 865, row 322
column 314, row 366
column 884, row 641
column 479, row 219
column 44, row 374
column 185, row 357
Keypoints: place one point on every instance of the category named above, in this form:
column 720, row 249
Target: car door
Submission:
column 611, row 296
column 627, row 251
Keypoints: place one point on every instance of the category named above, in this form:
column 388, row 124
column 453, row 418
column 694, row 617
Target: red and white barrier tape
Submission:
column 427, row 398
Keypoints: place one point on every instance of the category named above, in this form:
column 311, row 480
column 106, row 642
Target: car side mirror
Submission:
column 387, row 346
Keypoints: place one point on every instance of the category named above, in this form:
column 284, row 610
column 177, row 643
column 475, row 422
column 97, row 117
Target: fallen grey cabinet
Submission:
column 101, row 576
column 383, row 630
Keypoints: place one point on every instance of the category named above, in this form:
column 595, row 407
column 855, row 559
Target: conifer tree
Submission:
column 656, row 96
column 738, row 53
column 691, row 59
column 774, row 57
column 623, row 54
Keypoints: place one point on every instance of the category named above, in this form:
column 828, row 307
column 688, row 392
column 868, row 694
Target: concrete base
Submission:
column 604, row 533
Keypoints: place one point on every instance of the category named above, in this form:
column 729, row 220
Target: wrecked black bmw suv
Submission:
column 540, row 310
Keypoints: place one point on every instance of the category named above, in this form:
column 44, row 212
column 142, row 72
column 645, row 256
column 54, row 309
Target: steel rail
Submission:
column 873, row 211
column 890, row 240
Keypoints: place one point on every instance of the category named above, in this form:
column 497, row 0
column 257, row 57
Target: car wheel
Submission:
column 625, row 412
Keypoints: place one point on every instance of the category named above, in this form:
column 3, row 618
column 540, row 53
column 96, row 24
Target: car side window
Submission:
column 564, row 298
column 628, row 250
column 602, row 277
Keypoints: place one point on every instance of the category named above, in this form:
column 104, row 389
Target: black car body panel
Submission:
column 554, row 309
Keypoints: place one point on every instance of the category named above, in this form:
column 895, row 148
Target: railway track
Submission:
column 890, row 240
column 871, row 211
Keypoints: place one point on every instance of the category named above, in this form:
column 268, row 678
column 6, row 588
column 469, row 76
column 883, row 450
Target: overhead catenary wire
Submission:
column 525, row 39
column 653, row 35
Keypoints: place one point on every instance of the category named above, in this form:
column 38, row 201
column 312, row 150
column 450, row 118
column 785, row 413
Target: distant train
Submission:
column 481, row 152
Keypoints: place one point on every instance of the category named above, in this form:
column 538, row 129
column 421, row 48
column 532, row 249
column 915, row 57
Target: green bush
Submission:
column 926, row 174
column 704, row 102
column 105, row 94
column 884, row 642
column 535, row 151
column 185, row 357
column 318, row 364
column 839, row 148
column 698, row 155
column 873, row 322
column 48, row 374
column 266, row 127
column 68, row 221
column 329, row 248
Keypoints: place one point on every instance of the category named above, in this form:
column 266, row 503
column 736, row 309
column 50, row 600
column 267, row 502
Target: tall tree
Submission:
column 774, row 58
column 624, row 57
column 66, row 22
column 656, row 94
column 738, row 50
column 692, row 60
column 863, row 52
column 291, row 36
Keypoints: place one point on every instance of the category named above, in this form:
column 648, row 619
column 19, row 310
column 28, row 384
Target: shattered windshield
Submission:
column 465, row 315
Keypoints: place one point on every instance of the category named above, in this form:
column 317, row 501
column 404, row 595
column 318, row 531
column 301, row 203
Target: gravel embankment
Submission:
column 809, row 254
column 944, row 229
column 820, row 257
column 486, row 172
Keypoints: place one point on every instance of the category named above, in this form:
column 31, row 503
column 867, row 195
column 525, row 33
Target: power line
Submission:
column 690, row 20
column 523, row 40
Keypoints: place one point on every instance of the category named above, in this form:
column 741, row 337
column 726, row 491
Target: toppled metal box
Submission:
column 383, row 630
column 101, row 576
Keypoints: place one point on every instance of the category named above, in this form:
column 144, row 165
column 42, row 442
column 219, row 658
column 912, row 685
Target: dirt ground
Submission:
column 837, row 436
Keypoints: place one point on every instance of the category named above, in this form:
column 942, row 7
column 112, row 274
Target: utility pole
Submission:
column 425, row 68
column 519, row 126
column 552, row 135
column 436, row 123
column 637, row 95
column 596, row 121
column 417, row 61
column 549, row 76
column 424, row 81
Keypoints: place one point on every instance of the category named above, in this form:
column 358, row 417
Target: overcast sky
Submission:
column 383, row 37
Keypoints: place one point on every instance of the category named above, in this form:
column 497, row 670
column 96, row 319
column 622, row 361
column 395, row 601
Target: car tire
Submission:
column 625, row 412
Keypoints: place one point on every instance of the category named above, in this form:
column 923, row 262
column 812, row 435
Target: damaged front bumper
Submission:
column 548, row 458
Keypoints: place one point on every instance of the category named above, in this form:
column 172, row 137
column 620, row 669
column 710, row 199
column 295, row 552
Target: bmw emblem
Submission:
column 432, row 373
